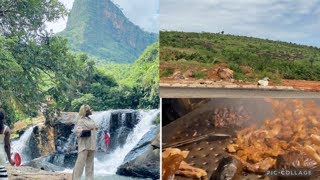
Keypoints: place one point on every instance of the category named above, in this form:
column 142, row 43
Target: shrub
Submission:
column 167, row 72
column 198, row 75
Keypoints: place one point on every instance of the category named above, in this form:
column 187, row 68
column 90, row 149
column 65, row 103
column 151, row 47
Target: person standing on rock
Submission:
column 86, row 130
column 4, row 147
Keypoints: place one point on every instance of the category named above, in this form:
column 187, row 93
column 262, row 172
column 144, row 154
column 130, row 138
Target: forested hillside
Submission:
column 100, row 29
column 250, row 58
column 40, row 72
column 113, row 86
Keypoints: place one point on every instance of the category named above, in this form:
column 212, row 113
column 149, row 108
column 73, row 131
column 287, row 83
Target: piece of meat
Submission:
column 297, row 160
column 170, row 165
column 173, row 164
column 232, row 148
column 170, row 151
column 171, row 160
column 296, row 125
column 312, row 152
column 189, row 171
column 230, row 117
column 315, row 139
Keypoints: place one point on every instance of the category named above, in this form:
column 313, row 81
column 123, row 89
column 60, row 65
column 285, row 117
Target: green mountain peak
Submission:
column 99, row 28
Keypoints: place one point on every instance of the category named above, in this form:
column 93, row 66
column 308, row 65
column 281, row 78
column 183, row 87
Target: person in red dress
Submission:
column 106, row 139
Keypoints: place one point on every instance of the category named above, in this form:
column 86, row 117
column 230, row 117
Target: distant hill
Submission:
column 142, row 76
column 262, row 57
column 99, row 28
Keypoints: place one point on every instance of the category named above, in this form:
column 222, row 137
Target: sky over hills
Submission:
column 142, row 13
column 286, row 20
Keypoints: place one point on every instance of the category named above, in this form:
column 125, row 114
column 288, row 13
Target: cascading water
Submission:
column 126, row 128
column 109, row 163
column 21, row 145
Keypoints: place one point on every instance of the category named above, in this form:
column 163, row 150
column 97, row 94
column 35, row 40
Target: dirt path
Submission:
column 313, row 86
column 29, row 173
column 308, row 86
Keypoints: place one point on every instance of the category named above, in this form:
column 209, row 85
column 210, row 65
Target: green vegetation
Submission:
column 38, row 71
column 100, row 29
column 167, row 72
column 274, row 59
column 198, row 75
column 135, row 86
column 157, row 120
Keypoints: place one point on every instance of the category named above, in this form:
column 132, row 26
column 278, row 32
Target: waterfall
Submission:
column 126, row 127
column 21, row 145
column 109, row 163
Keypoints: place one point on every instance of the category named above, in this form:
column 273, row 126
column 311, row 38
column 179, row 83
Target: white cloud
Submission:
column 142, row 13
column 60, row 24
column 285, row 20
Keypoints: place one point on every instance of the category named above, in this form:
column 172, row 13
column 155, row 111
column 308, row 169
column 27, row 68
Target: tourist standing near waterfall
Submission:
column 4, row 146
column 86, row 131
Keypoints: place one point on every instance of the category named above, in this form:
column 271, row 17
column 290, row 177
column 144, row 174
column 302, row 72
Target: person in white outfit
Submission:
column 86, row 130
column 4, row 147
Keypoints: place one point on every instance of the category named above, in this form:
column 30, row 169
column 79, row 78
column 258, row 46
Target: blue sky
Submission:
column 144, row 13
column 286, row 20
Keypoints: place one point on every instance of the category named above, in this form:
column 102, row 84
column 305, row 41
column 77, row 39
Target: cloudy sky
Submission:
column 141, row 12
column 287, row 20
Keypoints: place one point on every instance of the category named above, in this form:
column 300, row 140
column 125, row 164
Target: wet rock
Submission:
column 143, row 144
column 43, row 164
column 144, row 160
column 121, row 124
column 156, row 142
column 63, row 160
column 145, row 166
column 62, row 133
column 42, row 141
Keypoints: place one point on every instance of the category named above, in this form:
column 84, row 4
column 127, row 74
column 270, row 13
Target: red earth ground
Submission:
column 210, row 75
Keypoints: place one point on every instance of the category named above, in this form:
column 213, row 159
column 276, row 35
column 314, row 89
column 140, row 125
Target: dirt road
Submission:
column 184, row 92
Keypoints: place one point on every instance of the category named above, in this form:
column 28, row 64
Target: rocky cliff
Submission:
column 100, row 28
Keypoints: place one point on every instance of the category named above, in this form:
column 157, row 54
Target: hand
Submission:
column 12, row 162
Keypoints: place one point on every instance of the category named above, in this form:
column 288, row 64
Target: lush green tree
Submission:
column 33, row 64
column 26, row 18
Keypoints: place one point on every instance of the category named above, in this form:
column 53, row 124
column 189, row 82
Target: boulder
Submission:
column 42, row 141
column 142, row 145
column 225, row 73
column 178, row 75
column 144, row 160
column 188, row 74
column 264, row 82
column 43, row 164
column 67, row 160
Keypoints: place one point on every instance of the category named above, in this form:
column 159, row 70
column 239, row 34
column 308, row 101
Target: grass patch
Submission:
column 167, row 72
column 198, row 75
column 267, row 58
column 276, row 80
